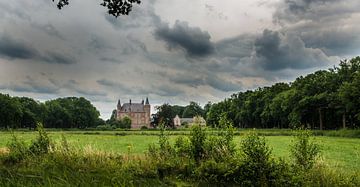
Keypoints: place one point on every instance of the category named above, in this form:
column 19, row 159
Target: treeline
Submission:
column 70, row 112
column 166, row 113
column 326, row 99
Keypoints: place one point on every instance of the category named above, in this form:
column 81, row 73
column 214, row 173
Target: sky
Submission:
column 169, row 51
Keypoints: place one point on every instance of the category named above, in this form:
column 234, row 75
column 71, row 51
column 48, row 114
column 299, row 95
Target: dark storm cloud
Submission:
column 111, row 59
column 194, row 41
column 160, row 90
column 19, row 49
column 236, row 47
column 16, row 49
column 297, row 10
column 114, row 85
column 75, row 86
column 277, row 51
column 205, row 80
column 32, row 86
column 334, row 41
column 329, row 25
column 58, row 58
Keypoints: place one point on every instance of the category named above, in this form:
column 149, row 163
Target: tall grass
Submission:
column 198, row 158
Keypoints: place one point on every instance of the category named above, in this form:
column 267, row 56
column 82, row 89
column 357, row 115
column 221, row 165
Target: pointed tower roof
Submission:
column 119, row 103
column 147, row 101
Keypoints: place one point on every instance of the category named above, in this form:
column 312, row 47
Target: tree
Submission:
column 349, row 94
column 193, row 109
column 71, row 112
column 126, row 122
column 165, row 115
column 115, row 7
column 32, row 112
column 10, row 112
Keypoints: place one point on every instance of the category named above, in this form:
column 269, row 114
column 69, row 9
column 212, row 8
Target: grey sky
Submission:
column 170, row 51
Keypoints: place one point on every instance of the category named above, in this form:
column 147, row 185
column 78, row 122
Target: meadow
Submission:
column 340, row 153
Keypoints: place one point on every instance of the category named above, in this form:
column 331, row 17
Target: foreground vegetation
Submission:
column 339, row 153
column 198, row 158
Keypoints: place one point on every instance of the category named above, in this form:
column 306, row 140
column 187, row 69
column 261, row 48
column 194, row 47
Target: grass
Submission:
column 339, row 153
column 107, row 159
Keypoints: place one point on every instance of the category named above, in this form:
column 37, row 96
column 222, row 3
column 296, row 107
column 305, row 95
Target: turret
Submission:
column 119, row 105
column 147, row 112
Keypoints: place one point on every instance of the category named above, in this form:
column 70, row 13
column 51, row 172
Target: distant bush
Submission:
column 304, row 151
column 105, row 127
column 144, row 127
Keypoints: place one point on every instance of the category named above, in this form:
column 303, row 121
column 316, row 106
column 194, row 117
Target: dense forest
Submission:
column 326, row 99
column 70, row 112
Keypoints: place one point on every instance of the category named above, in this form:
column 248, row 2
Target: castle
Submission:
column 139, row 113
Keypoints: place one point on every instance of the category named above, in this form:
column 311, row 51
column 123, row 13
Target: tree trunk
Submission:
column 320, row 118
column 344, row 121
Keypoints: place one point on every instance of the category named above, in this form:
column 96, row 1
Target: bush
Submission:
column 105, row 127
column 144, row 127
column 304, row 151
column 42, row 144
column 197, row 139
column 17, row 151
column 257, row 165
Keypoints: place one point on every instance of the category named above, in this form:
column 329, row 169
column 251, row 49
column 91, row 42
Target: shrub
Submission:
column 17, row 150
column 304, row 151
column 256, row 167
column 197, row 139
column 42, row 144
column 182, row 147
column 105, row 127
column 143, row 127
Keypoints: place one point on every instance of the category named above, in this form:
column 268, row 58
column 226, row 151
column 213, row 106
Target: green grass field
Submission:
column 342, row 154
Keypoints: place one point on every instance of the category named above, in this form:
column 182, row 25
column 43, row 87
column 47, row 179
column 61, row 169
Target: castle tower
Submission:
column 118, row 109
column 147, row 112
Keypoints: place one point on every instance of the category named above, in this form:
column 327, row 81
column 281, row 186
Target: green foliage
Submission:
column 193, row 109
column 197, row 139
column 304, row 151
column 126, row 122
column 42, row 144
column 17, row 150
column 170, row 164
column 257, row 164
column 330, row 96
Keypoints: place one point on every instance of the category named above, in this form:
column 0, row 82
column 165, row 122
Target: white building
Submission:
column 190, row 121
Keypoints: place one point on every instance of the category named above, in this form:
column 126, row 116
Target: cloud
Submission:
column 194, row 41
column 75, row 86
column 207, row 79
column 32, row 86
column 16, row 49
column 58, row 58
column 19, row 49
column 49, row 29
column 277, row 51
column 97, row 44
column 111, row 59
column 315, row 10
column 329, row 25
